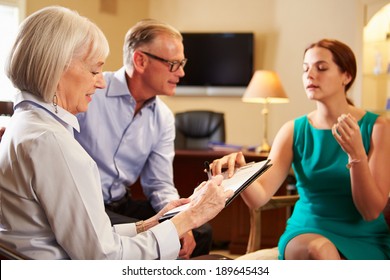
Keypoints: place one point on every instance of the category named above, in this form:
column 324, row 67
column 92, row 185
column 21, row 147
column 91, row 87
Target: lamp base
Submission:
column 263, row 148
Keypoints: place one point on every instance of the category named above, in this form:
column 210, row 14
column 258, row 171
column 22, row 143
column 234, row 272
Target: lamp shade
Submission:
column 265, row 87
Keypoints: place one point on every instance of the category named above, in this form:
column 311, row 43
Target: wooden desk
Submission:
column 232, row 224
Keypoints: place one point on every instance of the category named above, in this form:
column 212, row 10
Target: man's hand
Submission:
column 187, row 245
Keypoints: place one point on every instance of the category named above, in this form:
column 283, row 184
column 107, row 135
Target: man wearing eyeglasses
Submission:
column 129, row 131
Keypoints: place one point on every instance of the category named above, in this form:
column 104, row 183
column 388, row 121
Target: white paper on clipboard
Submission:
column 242, row 178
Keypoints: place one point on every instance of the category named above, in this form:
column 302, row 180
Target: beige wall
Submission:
column 282, row 30
column 114, row 25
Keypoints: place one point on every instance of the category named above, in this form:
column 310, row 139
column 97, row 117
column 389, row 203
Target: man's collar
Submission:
column 118, row 85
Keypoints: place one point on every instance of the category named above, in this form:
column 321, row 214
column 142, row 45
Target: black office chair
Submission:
column 196, row 129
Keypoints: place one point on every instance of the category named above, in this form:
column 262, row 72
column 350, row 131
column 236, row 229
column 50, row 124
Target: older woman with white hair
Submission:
column 47, row 179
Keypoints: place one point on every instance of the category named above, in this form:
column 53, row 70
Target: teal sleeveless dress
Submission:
column 325, row 206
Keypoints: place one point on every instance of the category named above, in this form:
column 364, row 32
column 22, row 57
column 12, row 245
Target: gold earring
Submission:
column 55, row 100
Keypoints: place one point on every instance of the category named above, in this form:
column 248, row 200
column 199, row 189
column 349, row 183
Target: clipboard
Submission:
column 242, row 178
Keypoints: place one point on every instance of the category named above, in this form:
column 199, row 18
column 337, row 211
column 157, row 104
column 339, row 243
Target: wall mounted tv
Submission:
column 218, row 63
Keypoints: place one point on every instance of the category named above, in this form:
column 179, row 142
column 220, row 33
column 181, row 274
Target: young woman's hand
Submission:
column 347, row 133
column 230, row 162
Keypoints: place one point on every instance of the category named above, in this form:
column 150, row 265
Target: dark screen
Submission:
column 218, row 59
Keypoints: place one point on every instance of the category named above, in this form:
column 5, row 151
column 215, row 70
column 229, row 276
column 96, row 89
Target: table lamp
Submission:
column 265, row 87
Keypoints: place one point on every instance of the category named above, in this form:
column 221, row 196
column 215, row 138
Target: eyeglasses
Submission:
column 173, row 65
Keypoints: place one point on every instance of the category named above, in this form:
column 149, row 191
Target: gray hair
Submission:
column 47, row 42
column 143, row 33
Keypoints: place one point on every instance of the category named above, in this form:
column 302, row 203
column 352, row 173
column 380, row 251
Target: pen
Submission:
column 208, row 171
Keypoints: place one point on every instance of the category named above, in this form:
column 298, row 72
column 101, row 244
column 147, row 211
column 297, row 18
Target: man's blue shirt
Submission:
column 125, row 146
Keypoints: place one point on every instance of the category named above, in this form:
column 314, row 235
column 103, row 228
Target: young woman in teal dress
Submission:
column 339, row 154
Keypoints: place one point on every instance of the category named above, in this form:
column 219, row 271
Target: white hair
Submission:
column 47, row 42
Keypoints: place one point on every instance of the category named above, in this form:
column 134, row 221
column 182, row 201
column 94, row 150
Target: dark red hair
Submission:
column 343, row 56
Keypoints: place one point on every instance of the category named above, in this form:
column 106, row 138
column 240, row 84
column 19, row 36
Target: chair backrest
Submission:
column 195, row 129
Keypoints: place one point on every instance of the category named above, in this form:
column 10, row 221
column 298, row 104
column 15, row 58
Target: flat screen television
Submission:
column 217, row 62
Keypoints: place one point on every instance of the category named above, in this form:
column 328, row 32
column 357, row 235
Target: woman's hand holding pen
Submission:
column 199, row 190
column 213, row 195
column 205, row 207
